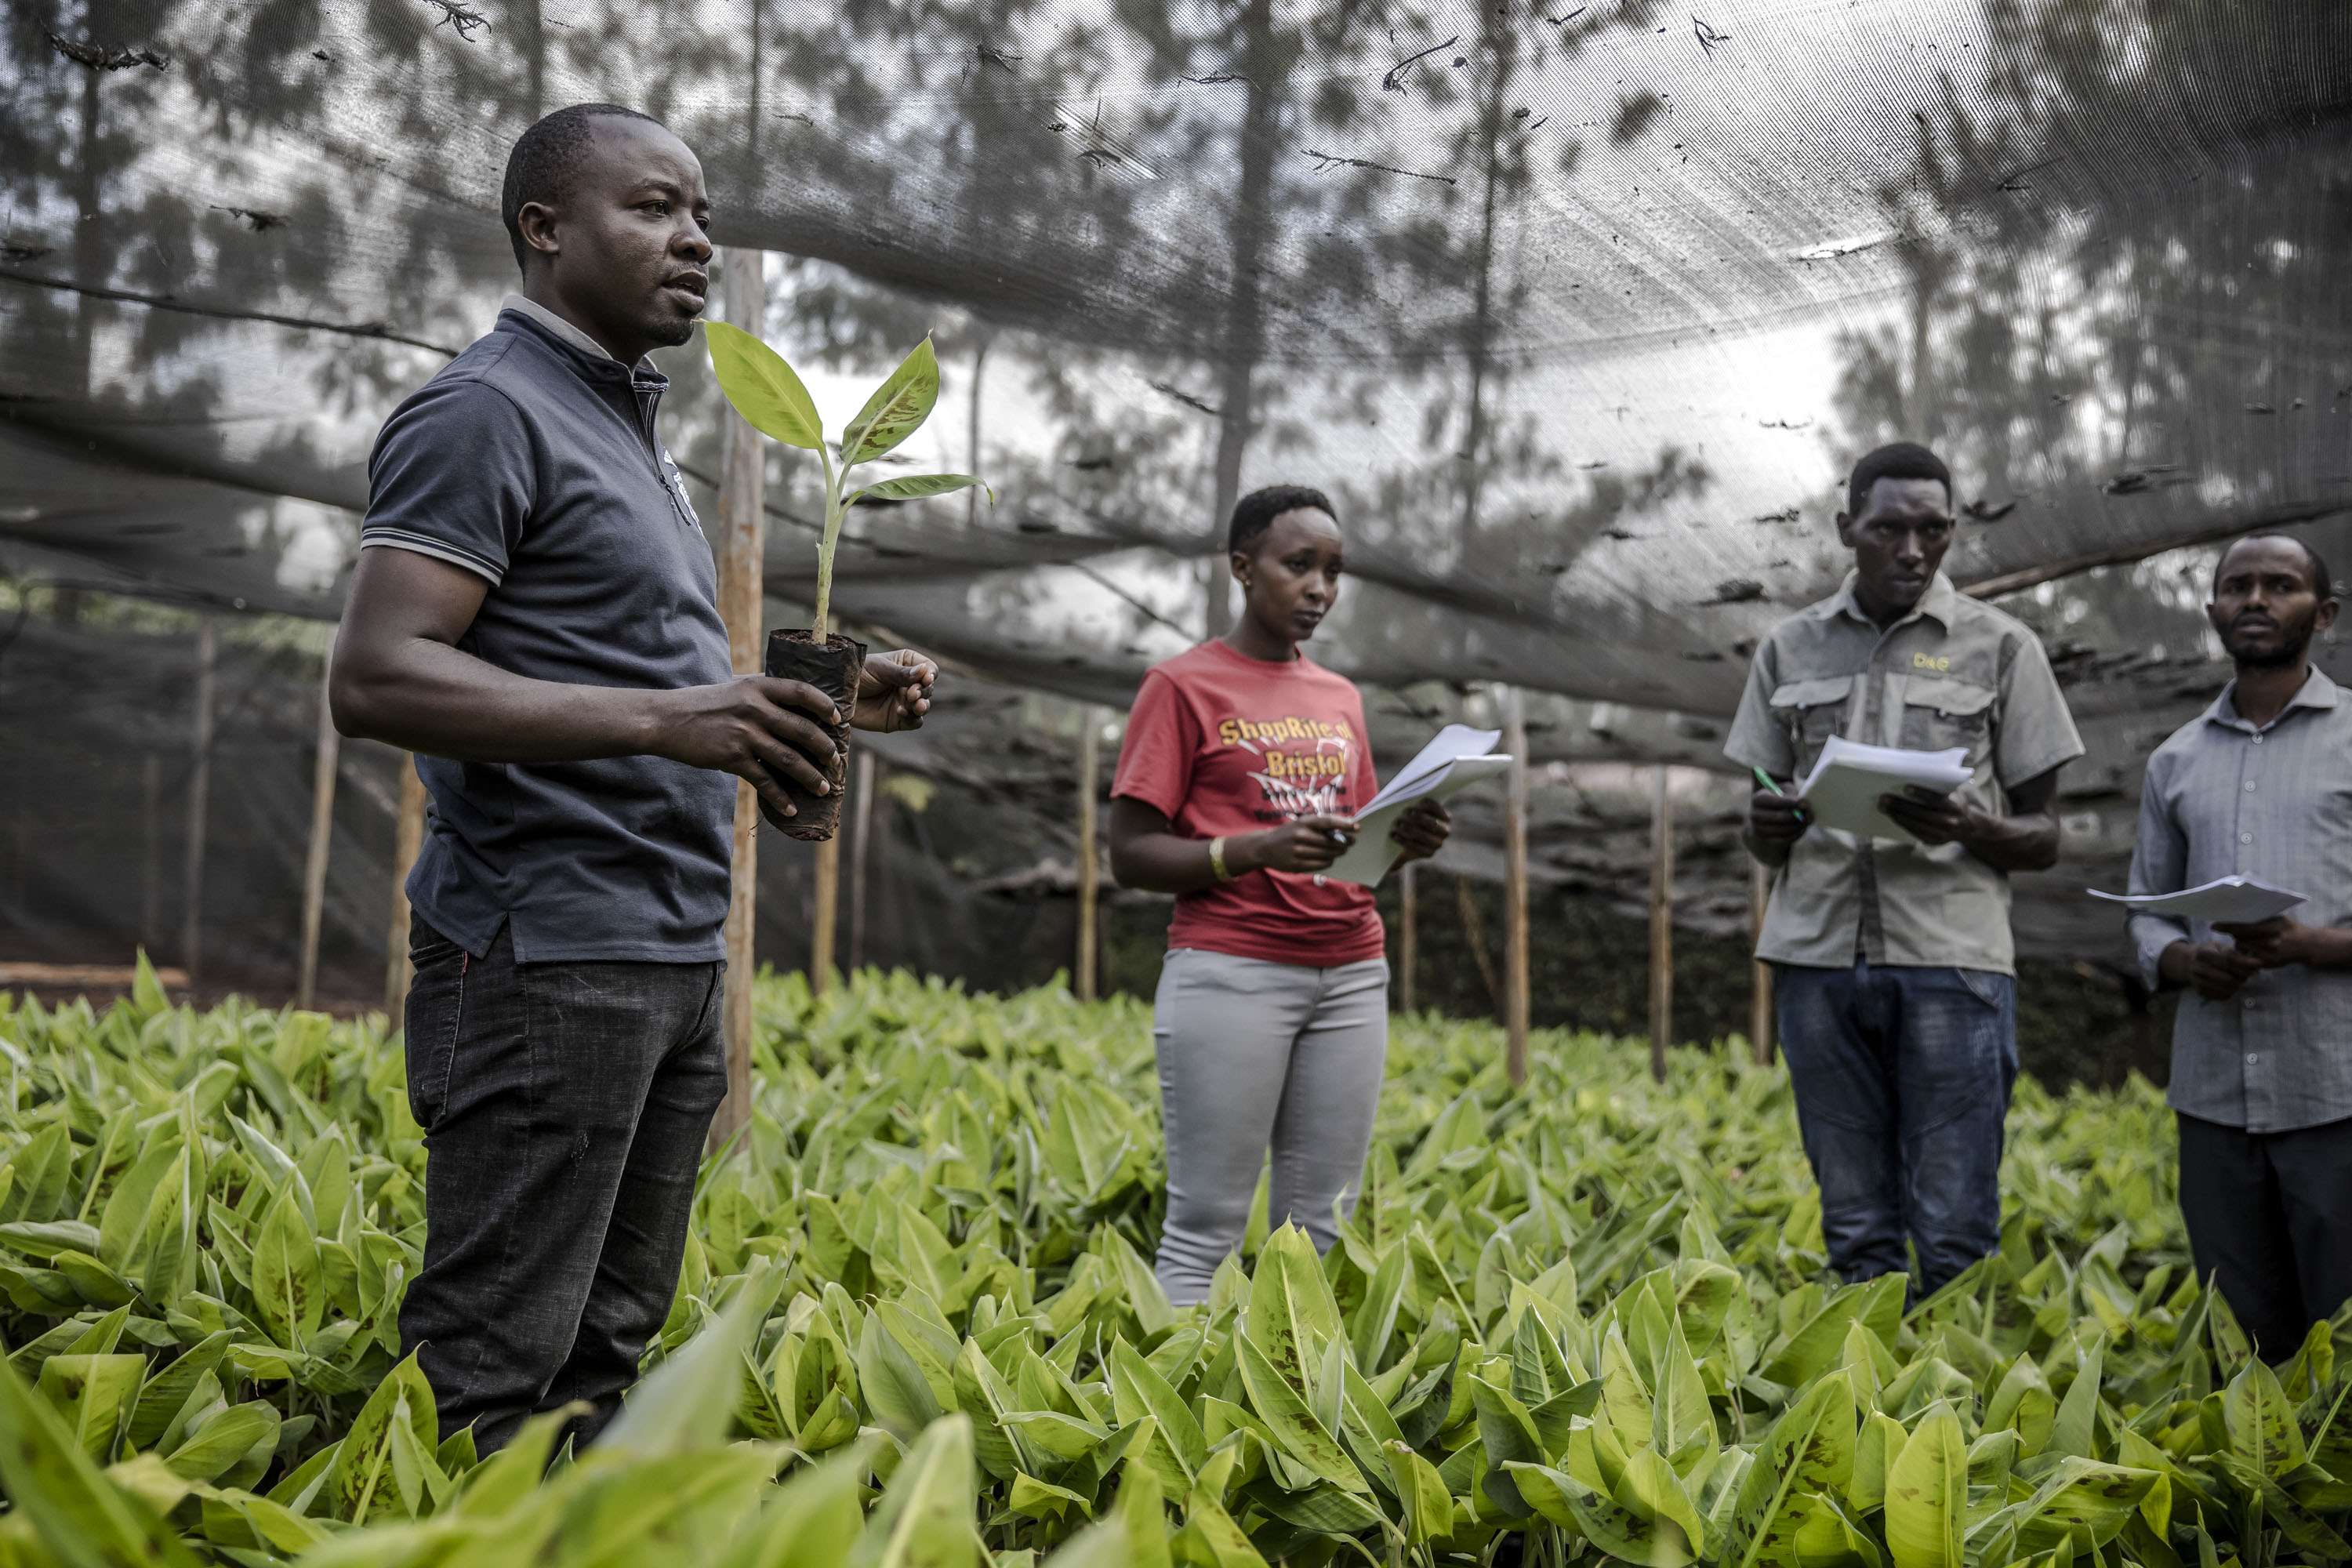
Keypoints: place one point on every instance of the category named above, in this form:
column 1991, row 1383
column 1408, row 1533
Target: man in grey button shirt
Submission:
column 1897, row 1003
column 2259, row 784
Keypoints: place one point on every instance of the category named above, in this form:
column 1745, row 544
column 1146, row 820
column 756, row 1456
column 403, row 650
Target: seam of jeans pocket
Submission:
column 1967, row 978
column 449, row 1047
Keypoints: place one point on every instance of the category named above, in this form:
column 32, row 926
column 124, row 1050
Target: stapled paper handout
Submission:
column 1458, row 758
column 2234, row 901
column 1848, row 777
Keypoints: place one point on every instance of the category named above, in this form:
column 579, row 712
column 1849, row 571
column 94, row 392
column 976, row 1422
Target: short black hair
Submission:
column 1896, row 460
column 2321, row 583
column 1256, row 511
column 546, row 156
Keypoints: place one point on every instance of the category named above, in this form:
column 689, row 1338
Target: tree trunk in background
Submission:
column 528, row 35
column 1662, row 925
column 200, row 782
column 89, row 241
column 1501, row 46
column 1245, row 317
column 1514, row 887
column 323, row 827
column 1089, row 726
column 972, row 440
column 408, row 837
column 1760, row 1031
column 740, row 545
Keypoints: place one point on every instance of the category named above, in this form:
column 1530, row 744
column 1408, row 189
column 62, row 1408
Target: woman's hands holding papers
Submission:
column 1305, row 844
column 1421, row 832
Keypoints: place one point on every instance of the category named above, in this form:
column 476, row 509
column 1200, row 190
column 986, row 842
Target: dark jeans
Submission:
column 1901, row 1078
column 2269, row 1220
column 564, row 1107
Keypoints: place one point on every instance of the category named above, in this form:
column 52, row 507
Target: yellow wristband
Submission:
column 1217, row 860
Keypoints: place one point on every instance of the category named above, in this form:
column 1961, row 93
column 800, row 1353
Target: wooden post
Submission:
column 1515, row 885
column 971, row 496
column 323, row 824
column 825, row 914
column 1761, row 1021
column 408, row 837
column 861, row 803
column 200, row 782
column 1089, row 727
column 1408, row 936
column 742, row 505
column 1662, row 925
column 151, row 870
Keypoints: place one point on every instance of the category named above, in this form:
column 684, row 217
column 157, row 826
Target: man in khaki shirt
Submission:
column 1895, row 975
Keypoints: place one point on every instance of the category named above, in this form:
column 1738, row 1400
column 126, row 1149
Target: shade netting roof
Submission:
column 1578, row 311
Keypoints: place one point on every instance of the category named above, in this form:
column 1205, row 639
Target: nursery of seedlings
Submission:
column 918, row 1325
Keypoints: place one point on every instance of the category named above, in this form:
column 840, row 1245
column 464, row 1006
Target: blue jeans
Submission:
column 1901, row 1078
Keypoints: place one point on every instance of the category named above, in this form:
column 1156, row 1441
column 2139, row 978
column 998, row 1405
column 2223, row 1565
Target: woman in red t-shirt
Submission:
column 1243, row 766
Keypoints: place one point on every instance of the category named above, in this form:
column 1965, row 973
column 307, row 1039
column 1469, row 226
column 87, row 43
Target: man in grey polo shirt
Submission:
column 535, row 615
column 2259, row 784
column 1894, row 963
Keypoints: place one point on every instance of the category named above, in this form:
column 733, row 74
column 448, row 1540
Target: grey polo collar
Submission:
column 563, row 329
column 1939, row 602
column 2317, row 691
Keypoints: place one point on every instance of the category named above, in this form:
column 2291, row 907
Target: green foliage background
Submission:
column 1587, row 1320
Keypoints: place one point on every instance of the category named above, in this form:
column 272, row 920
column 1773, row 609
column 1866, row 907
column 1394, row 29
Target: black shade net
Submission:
column 1579, row 311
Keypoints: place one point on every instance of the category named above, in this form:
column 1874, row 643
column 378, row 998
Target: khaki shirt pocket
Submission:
column 1809, row 712
column 1940, row 713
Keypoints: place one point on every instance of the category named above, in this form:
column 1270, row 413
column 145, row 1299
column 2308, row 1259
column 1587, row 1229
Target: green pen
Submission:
column 1766, row 779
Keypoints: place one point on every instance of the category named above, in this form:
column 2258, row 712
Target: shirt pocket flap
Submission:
column 1812, row 693
column 1957, row 698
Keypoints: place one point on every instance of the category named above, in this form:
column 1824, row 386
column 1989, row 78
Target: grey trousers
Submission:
column 1254, row 1054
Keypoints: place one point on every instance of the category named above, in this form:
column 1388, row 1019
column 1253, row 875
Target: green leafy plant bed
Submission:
column 918, row 1329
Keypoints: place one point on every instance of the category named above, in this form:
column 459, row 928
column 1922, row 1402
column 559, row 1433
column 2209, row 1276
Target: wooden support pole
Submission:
column 824, row 916
column 1759, row 980
column 408, row 838
column 861, row 803
column 1515, row 885
column 322, row 824
column 1082, row 970
column 200, row 783
column 1408, row 936
column 1662, row 924
column 151, row 867
column 738, row 546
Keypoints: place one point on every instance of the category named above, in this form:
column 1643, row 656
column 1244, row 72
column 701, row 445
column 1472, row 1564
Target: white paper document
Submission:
column 2236, row 901
column 1458, row 758
column 1848, row 777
